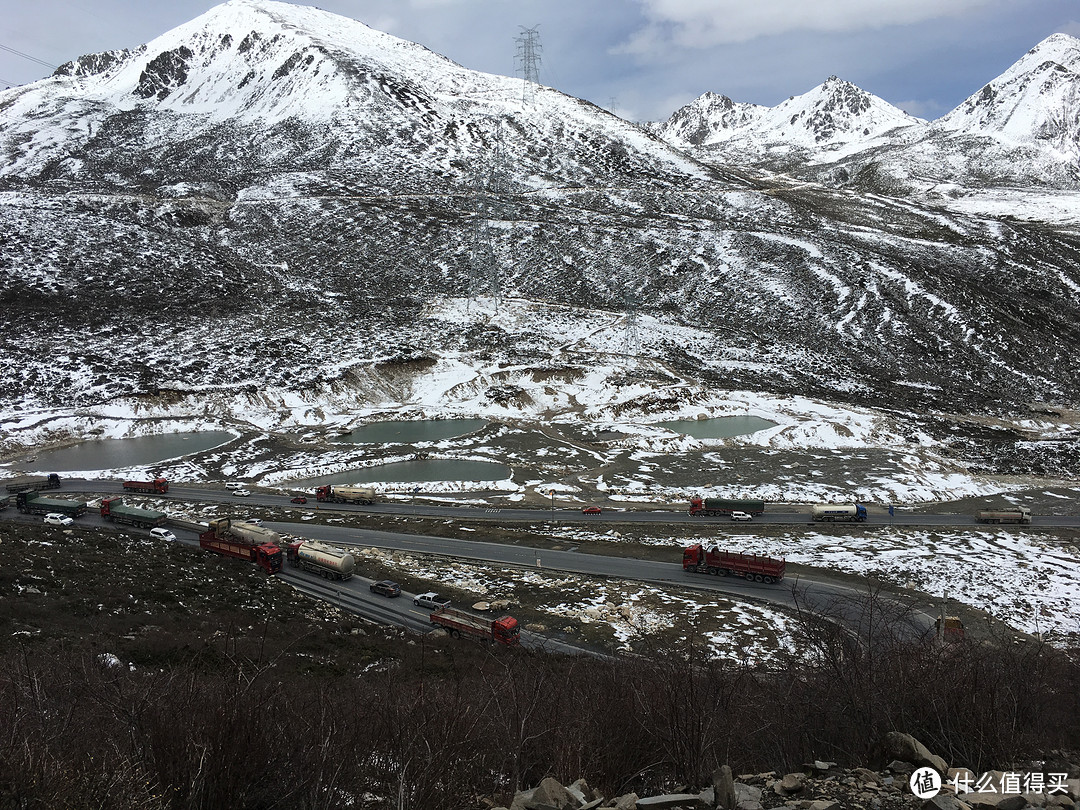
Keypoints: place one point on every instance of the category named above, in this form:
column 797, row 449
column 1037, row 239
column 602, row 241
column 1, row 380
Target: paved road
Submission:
column 816, row 592
column 774, row 515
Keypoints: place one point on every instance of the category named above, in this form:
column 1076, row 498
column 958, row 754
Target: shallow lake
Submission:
column 110, row 454
column 720, row 427
column 435, row 469
column 424, row 430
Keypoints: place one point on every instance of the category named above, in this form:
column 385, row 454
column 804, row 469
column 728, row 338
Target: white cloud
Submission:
column 706, row 23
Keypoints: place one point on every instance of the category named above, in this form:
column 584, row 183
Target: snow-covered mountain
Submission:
column 251, row 87
column 834, row 117
column 1023, row 128
column 276, row 208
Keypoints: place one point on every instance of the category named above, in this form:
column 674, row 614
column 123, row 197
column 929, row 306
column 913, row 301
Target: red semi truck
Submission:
column 712, row 560
column 159, row 486
column 243, row 541
column 504, row 630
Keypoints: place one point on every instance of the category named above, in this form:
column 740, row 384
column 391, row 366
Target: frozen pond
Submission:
column 425, row 430
column 720, row 427
column 436, row 469
column 111, row 454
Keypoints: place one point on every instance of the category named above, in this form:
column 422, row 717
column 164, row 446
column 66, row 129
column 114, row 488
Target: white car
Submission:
column 431, row 600
column 234, row 485
column 243, row 493
column 56, row 519
column 254, row 521
column 741, row 516
column 161, row 533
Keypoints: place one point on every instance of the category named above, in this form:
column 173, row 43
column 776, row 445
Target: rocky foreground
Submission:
column 902, row 784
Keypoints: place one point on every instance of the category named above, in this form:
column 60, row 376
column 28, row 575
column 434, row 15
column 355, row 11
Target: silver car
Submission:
column 431, row 600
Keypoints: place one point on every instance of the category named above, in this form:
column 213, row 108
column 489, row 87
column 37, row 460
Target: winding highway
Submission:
column 815, row 591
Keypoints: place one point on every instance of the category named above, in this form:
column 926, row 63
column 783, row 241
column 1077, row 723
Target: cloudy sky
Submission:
column 641, row 58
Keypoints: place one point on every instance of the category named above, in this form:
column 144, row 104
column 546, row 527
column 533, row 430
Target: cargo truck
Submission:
column 504, row 630
column 332, row 493
column 846, row 511
column 710, row 507
column 713, row 561
column 159, row 486
column 243, row 541
column 50, row 481
column 113, row 509
column 32, row 502
column 1013, row 514
column 322, row 559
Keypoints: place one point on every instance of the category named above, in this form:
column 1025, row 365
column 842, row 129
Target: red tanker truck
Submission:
column 712, row 560
column 245, row 541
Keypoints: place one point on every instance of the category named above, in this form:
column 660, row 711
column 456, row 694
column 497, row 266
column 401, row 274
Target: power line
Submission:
column 41, row 62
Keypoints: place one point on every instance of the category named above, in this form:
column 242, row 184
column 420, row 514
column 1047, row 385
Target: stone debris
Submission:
column 823, row 785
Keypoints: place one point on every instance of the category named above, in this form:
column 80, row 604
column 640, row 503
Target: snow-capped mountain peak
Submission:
column 1037, row 100
column 835, row 112
column 834, row 116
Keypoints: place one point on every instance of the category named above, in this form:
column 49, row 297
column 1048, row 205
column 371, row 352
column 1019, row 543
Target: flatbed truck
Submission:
column 713, row 560
column 504, row 630
column 32, row 502
column 114, row 510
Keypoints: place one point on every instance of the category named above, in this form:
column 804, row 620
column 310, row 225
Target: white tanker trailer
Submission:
column 322, row 559
column 333, row 493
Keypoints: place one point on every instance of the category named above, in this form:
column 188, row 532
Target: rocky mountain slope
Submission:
column 263, row 207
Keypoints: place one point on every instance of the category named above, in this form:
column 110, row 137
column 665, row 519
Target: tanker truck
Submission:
column 1012, row 514
column 713, row 561
column 32, row 502
column 159, row 486
column 504, row 630
column 711, row 507
column 245, row 541
column 332, row 493
column 322, row 559
column 845, row 511
column 50, row 481
column 113, row 509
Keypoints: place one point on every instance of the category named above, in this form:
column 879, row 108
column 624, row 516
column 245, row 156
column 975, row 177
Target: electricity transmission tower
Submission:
column 528, row 59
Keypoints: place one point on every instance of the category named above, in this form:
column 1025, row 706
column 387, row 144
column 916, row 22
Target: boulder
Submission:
column 747, row 797
column 723, row 784
column 626, row 802
column 945, row 801
column 670, row 800
column 551, row 793
column 995, row 801
column 906, row 748
column 867, row 776
column 791, row 783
